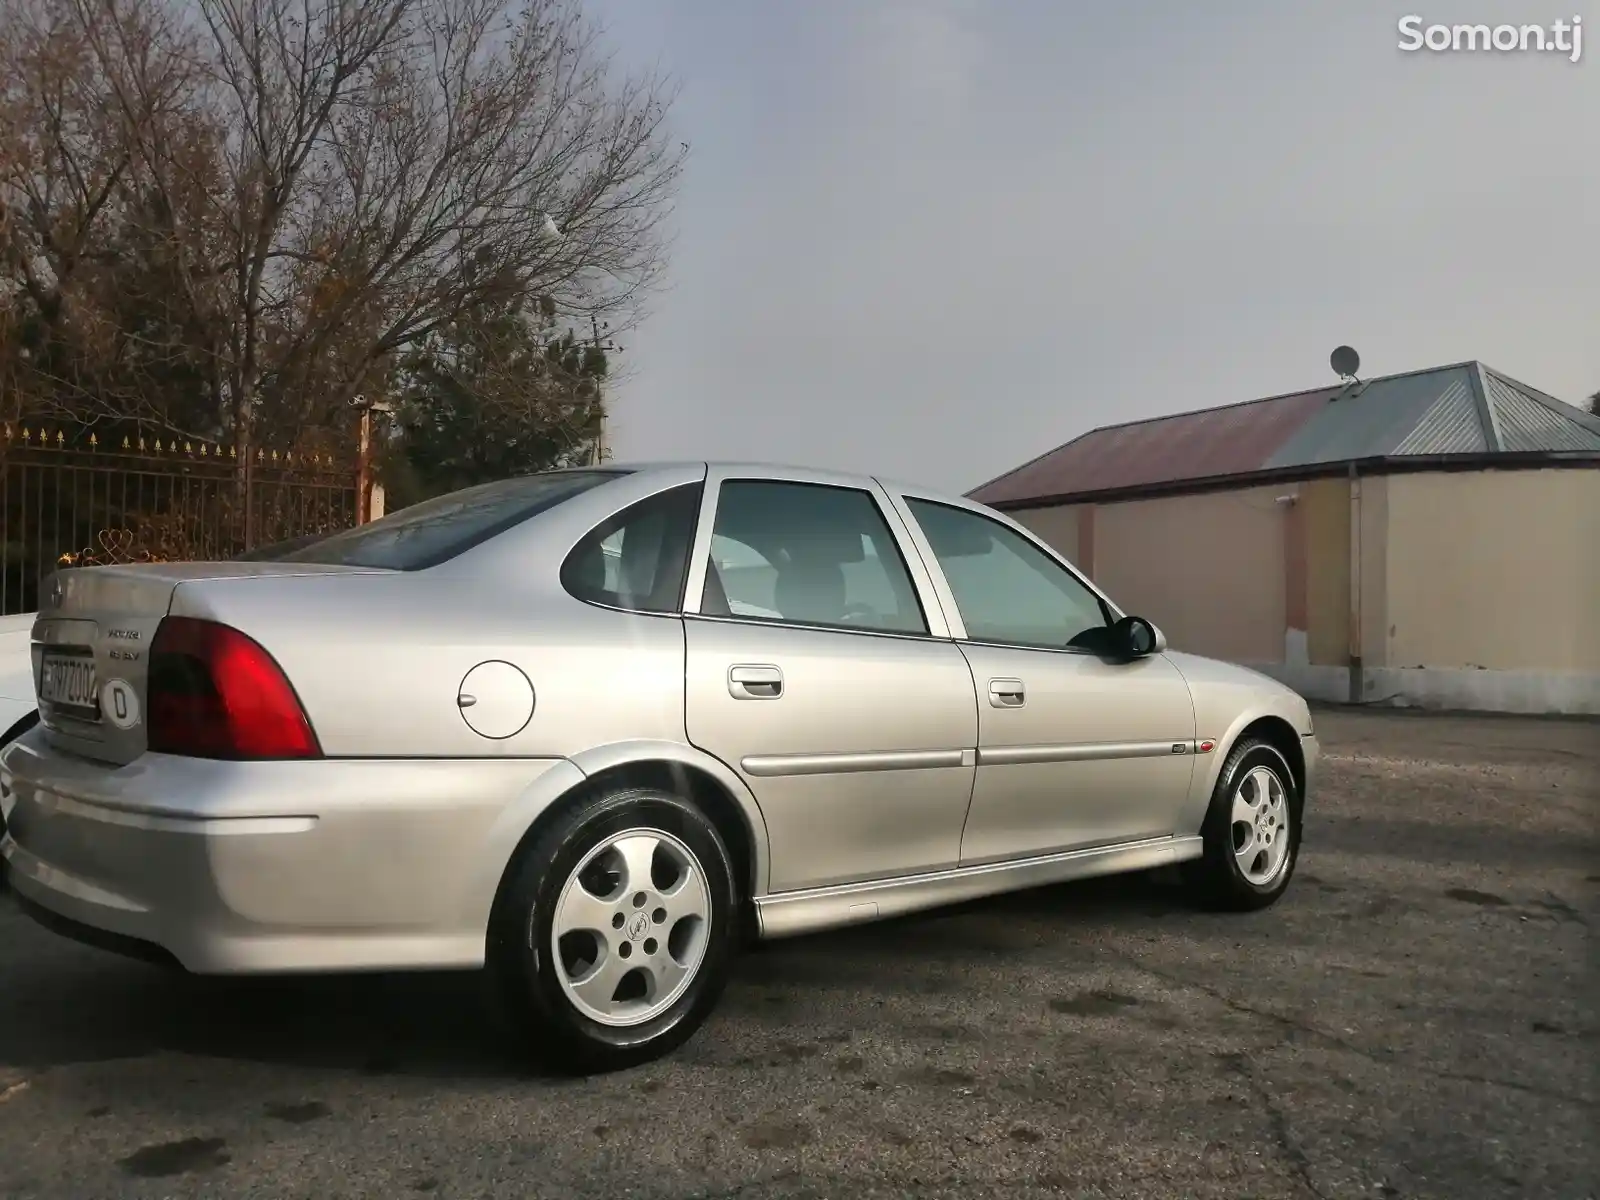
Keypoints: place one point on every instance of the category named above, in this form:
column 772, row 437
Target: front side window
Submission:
column 1007, row 589
column 638, row 558
column 807, row 554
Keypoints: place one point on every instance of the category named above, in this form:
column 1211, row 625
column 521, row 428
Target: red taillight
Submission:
column 215, row 693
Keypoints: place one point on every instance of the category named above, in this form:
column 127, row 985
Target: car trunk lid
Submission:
column 91, row 646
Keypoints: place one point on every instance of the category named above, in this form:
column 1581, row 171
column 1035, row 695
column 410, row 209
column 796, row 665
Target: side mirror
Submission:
column 1138, row 638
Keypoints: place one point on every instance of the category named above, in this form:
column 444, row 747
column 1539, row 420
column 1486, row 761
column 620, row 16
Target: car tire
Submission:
column 11, row 735
column 613, row 937
column 1251, row 831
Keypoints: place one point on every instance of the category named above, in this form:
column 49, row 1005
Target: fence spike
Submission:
column 187, row 448
column 94, row 441
column 274, row 456
column 233, row 452
column 141, row 442
column 125, row 445
column 25, row 434
column 8, row 431
column 61, row 438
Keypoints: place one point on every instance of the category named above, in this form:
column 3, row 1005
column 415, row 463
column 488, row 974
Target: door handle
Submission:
column 1007, row 693
column 749, row 682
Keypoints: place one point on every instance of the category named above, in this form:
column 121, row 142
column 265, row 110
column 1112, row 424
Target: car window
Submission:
column 638, row 558
column 434, row 531
column 809, row 555
column 1006, row 589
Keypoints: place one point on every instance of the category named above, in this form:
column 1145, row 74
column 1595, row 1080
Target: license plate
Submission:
column 67, row 682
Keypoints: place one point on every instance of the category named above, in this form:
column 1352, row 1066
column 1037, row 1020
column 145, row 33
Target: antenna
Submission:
column 1345, row 363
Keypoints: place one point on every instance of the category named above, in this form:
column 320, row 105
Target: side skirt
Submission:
column 791, row 913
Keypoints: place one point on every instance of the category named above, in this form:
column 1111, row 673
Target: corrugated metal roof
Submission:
column 1199, row 445
column 1461, row 409
column 1372, row 421
column 1527, row 420
column 1452, row 425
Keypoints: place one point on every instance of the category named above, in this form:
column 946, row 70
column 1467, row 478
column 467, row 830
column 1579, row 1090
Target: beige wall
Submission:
column 1325, row 506
column 1457, row 590
column 1058, row 526
column 1207, row 568
column 1369, row 591
column 1496, row 570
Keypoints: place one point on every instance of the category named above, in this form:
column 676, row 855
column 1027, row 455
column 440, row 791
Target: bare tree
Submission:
column 71, row 343
column 375, row 168
column 1594, row 404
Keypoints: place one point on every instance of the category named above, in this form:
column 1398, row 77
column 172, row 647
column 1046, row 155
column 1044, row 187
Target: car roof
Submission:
column 755, row 467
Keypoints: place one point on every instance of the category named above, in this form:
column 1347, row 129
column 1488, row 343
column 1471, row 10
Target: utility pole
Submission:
column 364, row 452
column 601, row 451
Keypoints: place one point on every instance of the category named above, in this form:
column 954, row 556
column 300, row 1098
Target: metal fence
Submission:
column 79, row 502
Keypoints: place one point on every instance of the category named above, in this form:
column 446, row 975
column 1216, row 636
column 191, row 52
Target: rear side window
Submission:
column 437, row 530
column 807, row 554
column 637, row 559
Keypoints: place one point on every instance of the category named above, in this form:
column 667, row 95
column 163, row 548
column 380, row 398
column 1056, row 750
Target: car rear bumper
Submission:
column 229, row 867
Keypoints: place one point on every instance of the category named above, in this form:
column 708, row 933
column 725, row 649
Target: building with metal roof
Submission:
column 1430, row 538
column 1467, row 411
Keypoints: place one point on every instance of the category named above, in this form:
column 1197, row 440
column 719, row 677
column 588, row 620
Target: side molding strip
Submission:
column 839, row 764
column 997, row 756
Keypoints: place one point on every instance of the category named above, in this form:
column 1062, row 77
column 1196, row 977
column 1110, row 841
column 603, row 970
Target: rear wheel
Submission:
column 614, row 937
column 1251, row 831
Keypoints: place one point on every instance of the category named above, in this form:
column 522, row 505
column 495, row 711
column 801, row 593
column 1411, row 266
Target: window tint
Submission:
column 810, row 555
column 436, row 530
column 638, row 558
column 1006, row 588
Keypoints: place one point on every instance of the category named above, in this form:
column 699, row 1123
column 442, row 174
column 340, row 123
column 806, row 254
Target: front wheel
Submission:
column 614, row 938
column 1251, row 831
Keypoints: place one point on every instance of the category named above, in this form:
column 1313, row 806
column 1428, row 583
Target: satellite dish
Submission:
column 1345, row 362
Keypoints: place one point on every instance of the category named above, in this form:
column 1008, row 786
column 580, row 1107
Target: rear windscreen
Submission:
column 436, row 530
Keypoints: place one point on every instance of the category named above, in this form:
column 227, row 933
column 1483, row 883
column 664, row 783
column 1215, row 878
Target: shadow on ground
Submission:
column 80, row 1005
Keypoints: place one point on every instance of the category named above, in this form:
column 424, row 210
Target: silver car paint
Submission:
column 854, row 786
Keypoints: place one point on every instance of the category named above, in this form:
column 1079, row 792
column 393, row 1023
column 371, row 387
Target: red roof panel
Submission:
column 1232, row 440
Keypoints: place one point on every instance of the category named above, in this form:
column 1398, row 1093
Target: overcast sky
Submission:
column 935, row 238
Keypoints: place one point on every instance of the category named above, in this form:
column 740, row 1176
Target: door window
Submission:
column 807, row 554
column 638, row 558
column 1007, row 589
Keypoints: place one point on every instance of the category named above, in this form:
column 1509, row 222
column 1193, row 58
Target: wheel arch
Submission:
column 1271, row 727
column 672, row 767
column 1282, row 737
column 19, row 727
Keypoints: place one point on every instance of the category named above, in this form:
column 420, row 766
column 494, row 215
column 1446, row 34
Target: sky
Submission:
column 933, row 239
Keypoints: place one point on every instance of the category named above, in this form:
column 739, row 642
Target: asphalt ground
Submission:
column 1415, row 1019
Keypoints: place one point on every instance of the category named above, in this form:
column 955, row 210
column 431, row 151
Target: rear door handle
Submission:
column 1007, row 693
column 752, row 682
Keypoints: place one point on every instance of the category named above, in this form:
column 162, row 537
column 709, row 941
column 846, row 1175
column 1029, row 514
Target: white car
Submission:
column 18, row 711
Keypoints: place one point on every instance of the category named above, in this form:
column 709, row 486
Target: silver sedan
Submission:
column 593, row 729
